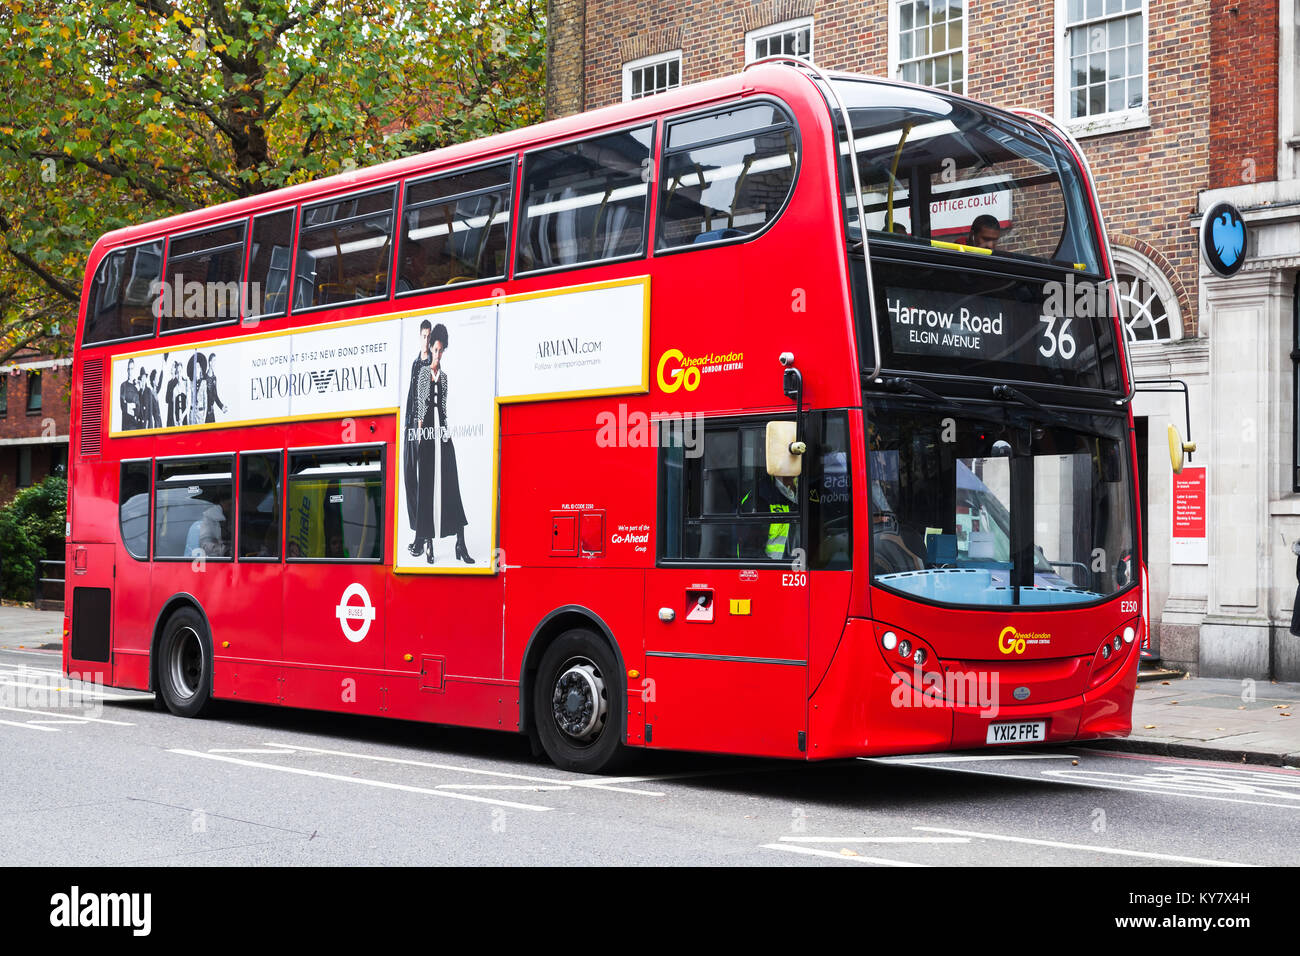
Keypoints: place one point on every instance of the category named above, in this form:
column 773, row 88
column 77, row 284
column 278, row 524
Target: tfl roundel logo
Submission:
column 1223, row 239
column 355, row 619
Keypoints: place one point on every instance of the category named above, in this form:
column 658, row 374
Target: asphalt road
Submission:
column 108, row 780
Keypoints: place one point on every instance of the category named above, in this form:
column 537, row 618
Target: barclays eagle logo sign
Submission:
column 1223, row 239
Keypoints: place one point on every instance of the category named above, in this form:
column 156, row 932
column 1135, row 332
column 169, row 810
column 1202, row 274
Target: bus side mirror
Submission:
column 784, row 450
column 1177, row 448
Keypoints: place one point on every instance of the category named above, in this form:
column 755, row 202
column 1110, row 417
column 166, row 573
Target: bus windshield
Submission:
column 999, row 507
column 945, row 173
column 983, row 252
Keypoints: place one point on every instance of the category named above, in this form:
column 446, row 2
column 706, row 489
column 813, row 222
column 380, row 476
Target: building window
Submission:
column 791, row 38
column 24, row 466
column 33, row 393
column 928, row 43
column 1151, row 312
column 651, row 75
column 4, row 395
column 1102, row 63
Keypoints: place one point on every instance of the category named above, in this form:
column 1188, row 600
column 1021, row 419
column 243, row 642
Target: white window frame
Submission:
column 1133, row 261
column 895, row 65
column 1116, row 120
column 653, row 60
column 785, row 26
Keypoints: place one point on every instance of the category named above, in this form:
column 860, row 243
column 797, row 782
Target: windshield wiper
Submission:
column 907, row 386
column 1009, row 392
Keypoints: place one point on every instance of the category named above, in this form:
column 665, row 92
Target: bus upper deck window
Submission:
column 344, row 246
column 726, row 176
column 126, row 286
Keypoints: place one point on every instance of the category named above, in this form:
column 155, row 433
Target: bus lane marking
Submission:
column 833, row 855
column 552, row 781
column 362, row 781
column 1055, row 845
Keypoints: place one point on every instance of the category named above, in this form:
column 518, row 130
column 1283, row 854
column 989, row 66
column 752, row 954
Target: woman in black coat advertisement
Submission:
column 433, row 503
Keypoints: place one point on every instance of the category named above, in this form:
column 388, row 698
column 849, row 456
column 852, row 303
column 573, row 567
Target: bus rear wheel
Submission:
column 578, row 704
column 185, row 664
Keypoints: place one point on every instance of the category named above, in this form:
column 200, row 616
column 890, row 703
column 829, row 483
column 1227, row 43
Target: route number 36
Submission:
column 1058, row 341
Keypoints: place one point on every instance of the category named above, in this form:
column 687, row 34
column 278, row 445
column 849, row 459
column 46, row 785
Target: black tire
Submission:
column 185, row 664
column 579, row 704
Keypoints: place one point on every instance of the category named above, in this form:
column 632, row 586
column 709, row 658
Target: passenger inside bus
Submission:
column 985, row 232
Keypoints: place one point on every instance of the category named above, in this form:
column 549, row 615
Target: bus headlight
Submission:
column 1129, row 635
column 890, row 640
column 905, row 648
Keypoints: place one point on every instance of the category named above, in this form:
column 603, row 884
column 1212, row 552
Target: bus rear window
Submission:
column 121, row 301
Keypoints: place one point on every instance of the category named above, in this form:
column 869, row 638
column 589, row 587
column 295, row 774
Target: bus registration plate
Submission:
column 1021, row 733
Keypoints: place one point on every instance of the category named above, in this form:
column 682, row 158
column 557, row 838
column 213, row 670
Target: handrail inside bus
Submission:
column 1121, row 339
column 821, row 74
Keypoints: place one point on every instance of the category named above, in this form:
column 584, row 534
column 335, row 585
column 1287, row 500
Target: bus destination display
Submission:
column 1025, row 330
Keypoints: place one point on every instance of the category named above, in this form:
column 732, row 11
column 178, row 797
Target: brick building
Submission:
column 34, row 403
column 1178, row 104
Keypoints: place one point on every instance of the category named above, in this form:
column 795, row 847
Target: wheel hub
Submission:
column 186, row 663
column 579, row 703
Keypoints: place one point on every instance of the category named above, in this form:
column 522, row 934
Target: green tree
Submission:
column 31, row 528
column 130, row 110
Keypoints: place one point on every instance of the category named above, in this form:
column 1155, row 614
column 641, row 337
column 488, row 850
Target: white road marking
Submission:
column 1053, row 844
column 14, row 723
column 85, row 691
column 832, row 855
column 28, row 668
column 583, row 784
column 1183, row 779
column 879, row 839
column 1050, row 776
column 247, row 750
column 501, row 786
column 46, row 713
column 968, row 758
column 67, row 720
column 362, row 781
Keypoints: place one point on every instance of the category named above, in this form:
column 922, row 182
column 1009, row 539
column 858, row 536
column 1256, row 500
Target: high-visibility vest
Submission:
column 777, row 534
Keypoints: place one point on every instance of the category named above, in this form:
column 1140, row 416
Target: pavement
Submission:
column 1242, row 721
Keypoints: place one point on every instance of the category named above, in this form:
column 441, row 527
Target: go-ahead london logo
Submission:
column 1223, row 239
column 355, row 619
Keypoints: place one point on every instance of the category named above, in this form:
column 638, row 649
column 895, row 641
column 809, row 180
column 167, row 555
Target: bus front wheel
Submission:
column 578, row 704
column 185, row 664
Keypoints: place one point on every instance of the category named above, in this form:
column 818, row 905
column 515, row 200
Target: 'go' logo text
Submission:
column 1009, row 642
column 674, row 377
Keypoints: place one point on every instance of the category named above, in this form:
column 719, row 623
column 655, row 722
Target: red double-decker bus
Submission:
column 783, row 415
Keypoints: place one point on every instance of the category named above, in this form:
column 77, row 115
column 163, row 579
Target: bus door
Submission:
column 334, row 579
column 727, row 608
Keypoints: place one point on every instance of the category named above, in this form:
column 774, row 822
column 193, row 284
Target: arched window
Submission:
column 1151, row 312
